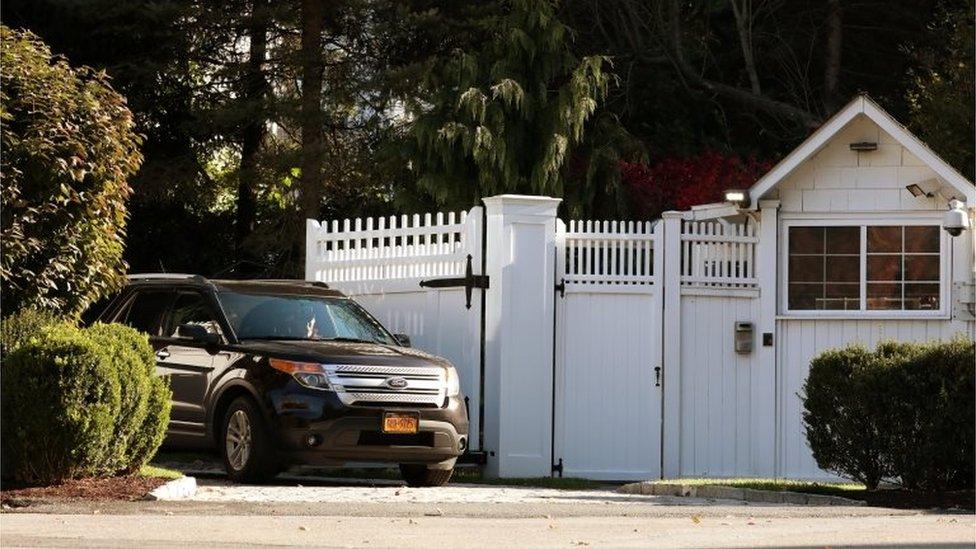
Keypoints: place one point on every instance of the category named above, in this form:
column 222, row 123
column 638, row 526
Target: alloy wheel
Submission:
column 238, row 440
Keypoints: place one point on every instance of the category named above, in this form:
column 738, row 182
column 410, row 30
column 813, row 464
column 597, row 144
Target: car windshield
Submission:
column 300, row 317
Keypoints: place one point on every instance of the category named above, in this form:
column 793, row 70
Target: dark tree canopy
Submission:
column 257, row 113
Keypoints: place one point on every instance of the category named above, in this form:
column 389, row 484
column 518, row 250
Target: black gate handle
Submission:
column 469, row 281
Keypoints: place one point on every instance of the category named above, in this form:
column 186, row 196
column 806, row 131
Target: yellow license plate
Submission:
column 400, row 423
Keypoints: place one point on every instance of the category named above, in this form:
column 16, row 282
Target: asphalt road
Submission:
column 337, row 515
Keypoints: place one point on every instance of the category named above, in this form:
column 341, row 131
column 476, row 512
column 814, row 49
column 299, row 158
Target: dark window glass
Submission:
column 824, row 268
column 191, row 308
column 898, row 256
column 145, row 311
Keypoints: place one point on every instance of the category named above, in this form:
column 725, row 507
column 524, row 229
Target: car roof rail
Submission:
column 317, row 283
column 166, row 276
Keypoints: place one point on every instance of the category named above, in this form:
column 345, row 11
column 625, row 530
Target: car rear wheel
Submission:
column 246, row 443
column 418, row 475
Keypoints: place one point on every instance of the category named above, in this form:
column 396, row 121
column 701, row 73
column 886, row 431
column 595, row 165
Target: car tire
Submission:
column 419, row 476
column 246, row 444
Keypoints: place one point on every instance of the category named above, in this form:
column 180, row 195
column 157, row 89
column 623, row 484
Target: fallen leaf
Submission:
column 303, row 528
column 696, row 519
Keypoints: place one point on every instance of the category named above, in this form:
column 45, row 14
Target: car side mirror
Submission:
column 402, row 339
column 197, row 333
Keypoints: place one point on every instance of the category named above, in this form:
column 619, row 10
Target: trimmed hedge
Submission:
column 81, row 402
column 904, row 413
column 19, row 327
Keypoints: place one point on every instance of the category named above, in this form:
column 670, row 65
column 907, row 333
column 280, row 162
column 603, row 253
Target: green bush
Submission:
column 80, row 402
column 932, row 416
column 19, row 327
column 69, row 146
column 903, row 413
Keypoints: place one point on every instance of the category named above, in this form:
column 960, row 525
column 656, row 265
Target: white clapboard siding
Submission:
column 718, row 255
column 607, row 252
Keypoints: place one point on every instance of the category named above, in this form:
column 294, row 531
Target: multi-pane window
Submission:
column 825, row 268
column 901, row 268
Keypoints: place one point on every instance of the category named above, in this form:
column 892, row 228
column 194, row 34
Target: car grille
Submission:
column 370, row 385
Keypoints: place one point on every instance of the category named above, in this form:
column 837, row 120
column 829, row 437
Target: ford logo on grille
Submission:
column 395, row 383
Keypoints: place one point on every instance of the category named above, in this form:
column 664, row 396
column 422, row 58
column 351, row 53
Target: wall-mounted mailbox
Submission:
column 743, row 337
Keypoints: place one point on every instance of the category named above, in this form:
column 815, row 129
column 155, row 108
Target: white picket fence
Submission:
column 388, row 248
column 718, row 254
column 607, row 252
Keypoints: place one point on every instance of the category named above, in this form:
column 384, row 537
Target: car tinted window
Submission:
column 145, row 311
column 191, row 308
column 260, row 316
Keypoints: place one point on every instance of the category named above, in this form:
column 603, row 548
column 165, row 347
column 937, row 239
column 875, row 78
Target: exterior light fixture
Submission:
column 738, row 197
column 863, row 146
column 928, row 188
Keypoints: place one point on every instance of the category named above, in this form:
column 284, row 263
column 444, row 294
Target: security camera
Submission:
column 956, row 220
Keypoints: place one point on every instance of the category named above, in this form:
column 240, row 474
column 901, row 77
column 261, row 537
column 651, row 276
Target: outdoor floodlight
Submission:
column 738, row 197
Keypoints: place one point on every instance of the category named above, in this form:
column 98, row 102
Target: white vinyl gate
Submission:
column 607, row 409
column 409, row 272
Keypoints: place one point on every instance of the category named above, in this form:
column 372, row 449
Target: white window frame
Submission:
column 863, row 221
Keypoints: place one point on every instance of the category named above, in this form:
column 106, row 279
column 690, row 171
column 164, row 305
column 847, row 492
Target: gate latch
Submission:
column 558, row 468
column 657, row 376
column 469, row 281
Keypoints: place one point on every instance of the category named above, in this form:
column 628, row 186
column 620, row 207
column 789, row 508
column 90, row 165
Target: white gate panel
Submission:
column 607, row 421
column 381, row 264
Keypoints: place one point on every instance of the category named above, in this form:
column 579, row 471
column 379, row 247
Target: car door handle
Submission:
column 162, row 354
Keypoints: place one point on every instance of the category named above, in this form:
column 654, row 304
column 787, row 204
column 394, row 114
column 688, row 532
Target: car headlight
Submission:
column 309, row 374
column 453, row 382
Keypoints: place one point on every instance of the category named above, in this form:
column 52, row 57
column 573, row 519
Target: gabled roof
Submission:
column 862, row 104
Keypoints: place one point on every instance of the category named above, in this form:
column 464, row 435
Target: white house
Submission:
column 623, row 350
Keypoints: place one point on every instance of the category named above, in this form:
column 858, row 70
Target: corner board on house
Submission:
column 633, row 350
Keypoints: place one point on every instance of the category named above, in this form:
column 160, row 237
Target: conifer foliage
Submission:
column 505, row 116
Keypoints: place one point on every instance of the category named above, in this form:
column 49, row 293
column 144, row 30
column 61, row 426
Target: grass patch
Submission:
column 842, row 489
column 152, row 471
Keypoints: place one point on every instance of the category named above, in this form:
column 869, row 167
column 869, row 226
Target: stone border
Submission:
column 181, row 488
column 653, row 488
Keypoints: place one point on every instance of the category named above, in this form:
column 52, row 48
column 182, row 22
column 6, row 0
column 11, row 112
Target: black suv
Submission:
column 278, row 372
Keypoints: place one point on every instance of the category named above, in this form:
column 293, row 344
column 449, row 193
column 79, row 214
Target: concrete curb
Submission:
column 650, row 488
column 181, row 488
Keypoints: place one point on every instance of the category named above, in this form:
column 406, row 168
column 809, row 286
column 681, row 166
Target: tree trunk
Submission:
column 743, row 24
column 252, row 132
column 835, row 32
column 312, row 116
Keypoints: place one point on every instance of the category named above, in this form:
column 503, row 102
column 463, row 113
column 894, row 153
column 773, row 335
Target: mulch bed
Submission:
column 908, row 499
column 117, row 488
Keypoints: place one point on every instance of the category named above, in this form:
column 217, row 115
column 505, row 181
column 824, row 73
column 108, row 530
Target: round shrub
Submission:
column 841, row 423
column 81, row 402
column 60, row 398
column 132, row 358
column 932, row 416
column 905, row 412
column 153, row 427
column 24, row 324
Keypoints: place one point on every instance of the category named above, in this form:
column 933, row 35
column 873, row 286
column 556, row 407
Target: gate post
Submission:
column 520, row 232
column 763, row 397
column 670, row 247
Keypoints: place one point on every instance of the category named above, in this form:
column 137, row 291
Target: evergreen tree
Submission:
column 504, row 116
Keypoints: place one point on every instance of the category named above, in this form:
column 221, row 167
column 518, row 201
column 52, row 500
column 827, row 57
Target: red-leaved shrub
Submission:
column 677, row 183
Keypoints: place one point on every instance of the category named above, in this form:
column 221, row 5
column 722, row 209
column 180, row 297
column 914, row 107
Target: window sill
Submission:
column 860, row 315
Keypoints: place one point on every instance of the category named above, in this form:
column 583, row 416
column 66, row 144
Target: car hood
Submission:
column 341, row 352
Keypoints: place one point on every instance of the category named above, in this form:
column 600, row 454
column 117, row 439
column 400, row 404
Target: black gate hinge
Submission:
column 558, row 468
column 561, row 288
column 469, row 281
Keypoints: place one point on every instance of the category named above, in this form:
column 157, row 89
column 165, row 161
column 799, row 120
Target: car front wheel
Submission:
column 418, row 475
column 246, row 443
